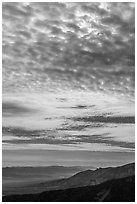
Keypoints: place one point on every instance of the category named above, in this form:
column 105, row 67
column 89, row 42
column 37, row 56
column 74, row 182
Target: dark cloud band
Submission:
column 13, row 109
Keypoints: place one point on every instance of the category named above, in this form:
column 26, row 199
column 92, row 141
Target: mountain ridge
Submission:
column 80, row 179
column 93, row 177
column 116, row 190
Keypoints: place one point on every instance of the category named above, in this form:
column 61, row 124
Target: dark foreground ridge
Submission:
column 81, row 179
column 116, row 190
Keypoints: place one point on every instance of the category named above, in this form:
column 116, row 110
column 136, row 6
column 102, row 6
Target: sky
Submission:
column 68, row 77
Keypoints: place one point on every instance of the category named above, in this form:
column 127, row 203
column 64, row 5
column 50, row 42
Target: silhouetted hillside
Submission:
column 100, row 175
column 83, row 178
column 117, row 190
column 18, row 180
column 87, row 178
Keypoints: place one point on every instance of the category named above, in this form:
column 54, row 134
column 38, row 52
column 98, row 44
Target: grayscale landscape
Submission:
column 68, row 101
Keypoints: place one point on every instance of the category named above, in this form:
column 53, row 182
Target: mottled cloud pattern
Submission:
column 68, row 75
column 88, row 46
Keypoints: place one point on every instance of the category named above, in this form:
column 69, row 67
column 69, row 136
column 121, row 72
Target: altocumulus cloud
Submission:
column 69, row 45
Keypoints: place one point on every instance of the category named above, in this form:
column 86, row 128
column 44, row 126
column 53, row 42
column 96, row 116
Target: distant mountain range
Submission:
column 102, row 184
column 88, row 177
column 117, row 190
column 91, row 177
column 16, row 180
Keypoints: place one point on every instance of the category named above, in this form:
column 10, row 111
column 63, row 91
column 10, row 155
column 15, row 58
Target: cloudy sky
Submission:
column 68, row 76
